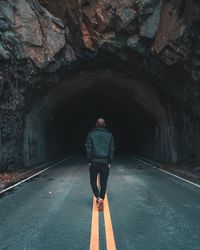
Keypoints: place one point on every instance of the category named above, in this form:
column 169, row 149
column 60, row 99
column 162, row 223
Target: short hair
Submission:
column 100, row 122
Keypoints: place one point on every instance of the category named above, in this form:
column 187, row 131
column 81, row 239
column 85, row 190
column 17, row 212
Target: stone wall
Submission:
column 154, row 40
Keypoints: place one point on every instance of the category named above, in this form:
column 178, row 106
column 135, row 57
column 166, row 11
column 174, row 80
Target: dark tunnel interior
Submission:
column 67, row 127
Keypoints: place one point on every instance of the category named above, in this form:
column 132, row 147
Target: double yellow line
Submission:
column 94, row 238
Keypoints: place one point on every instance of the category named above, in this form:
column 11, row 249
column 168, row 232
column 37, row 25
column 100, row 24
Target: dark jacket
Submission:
column 100, row 146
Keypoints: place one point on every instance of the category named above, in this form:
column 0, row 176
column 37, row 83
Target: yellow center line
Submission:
column 110, row 239
column 94, row 238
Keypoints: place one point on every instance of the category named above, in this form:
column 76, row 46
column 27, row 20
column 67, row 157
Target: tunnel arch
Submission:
column 120, row 93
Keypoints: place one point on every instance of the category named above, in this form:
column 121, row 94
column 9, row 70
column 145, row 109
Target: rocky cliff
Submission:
column 155, row 40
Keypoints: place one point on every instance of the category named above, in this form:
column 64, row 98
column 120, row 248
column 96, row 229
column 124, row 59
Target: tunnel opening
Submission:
column 63, row 118
column 67, row 128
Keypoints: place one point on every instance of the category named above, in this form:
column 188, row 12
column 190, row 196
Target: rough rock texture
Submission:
column 157, row 40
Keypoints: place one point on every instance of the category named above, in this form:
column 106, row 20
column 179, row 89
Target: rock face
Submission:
column 157, row 40
column 37, row 35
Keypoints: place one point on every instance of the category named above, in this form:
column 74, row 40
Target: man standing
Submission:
column 100, row 153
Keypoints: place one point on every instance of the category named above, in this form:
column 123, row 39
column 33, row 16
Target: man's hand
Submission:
column 109, row 165
column 90, row 164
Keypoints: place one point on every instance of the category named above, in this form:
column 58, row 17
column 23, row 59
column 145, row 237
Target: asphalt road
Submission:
column 149, row 210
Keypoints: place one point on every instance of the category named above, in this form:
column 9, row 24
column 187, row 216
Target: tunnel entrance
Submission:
column 135, row 63
column 132, row 110
column 67, row 128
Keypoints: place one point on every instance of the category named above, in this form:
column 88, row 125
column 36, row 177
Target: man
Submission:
column 100, row 153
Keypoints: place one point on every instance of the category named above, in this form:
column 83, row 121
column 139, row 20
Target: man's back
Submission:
column 100, row 146
column 100, row 152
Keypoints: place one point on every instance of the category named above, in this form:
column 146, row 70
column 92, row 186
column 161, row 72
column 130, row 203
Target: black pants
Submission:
column 103, row 171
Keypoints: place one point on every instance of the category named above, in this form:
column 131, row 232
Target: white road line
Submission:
column 166, row 172
column 30, row 177
column 183, row 179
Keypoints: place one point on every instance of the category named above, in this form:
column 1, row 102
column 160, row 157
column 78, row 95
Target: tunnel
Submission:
column 134, row 63
column 58, row 123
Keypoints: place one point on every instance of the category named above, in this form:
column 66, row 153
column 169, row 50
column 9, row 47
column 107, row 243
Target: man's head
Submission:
column 100, row 123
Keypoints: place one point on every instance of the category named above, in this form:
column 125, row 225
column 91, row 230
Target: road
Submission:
column 148, row 210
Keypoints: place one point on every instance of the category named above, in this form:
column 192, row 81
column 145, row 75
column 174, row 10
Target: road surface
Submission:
column 146, row 209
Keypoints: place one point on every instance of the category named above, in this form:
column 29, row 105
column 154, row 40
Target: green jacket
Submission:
column 100, row 146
